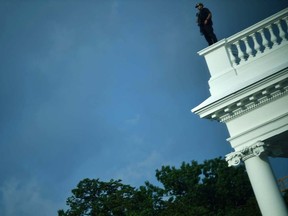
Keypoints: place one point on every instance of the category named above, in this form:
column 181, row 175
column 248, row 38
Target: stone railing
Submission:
column 257, row 50
column 258, row 39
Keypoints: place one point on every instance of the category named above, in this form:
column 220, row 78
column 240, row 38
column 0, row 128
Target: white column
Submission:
column 265, row 188
column 262, row 179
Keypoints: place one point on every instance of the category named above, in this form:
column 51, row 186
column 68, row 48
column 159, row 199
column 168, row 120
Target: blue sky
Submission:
column 103, row 89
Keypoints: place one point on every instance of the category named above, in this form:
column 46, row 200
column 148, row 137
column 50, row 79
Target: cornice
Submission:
column 252, row 101
column 248, row 98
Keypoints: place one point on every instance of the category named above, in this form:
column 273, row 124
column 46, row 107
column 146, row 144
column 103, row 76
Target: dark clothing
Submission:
column 206, row 29
column 202, row 16
column 208, row 32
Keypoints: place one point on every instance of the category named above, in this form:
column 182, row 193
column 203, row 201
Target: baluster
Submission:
column 273, row 37
column 256, row 44
column 232, row 54
column 281, row 31
column 241, row 53
column 285, row 19
column 265, row 42
column 249, row 51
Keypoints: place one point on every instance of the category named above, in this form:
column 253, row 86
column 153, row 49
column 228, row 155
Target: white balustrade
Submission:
column 241, row 53
column 232, row 56
column 265, row 42
column 257, row 46
column 273, row 37
column 249, row 50
column 256, row 50
column 258, row 39
column 281, row 31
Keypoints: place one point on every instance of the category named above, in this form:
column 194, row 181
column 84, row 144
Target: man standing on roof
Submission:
column 204, row 20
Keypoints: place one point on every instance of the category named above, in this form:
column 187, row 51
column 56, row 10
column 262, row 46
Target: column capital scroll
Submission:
column 234, row 158
column 255, row 150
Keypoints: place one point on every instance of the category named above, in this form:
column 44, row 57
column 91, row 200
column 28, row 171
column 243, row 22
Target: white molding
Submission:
column 241, row 101
column 253, row 101
column 262, row 131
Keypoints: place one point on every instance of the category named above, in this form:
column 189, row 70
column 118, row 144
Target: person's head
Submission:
column 199, row 6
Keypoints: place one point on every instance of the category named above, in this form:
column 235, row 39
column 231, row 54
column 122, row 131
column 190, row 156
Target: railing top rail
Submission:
column 250, row 30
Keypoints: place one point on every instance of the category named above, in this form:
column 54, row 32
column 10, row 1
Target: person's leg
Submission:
column 213, row 36
column 210, row 34
column 207, row 36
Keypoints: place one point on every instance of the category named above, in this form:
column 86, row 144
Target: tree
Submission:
column 210, row 188
column 94, row 197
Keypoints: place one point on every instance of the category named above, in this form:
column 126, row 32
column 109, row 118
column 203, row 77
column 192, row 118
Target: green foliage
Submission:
column 210, row 188
column 94, row 197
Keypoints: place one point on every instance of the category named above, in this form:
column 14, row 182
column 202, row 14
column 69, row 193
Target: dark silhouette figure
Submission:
column 204, row 20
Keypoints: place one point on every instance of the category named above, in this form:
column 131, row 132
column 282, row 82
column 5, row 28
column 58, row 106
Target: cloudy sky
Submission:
column 103, row 89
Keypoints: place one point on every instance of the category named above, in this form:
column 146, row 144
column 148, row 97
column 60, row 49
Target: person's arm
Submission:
column 207, row 19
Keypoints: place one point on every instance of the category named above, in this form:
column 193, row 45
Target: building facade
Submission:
column 249, row 93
